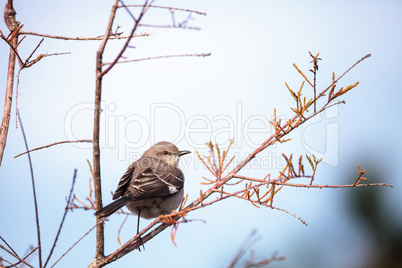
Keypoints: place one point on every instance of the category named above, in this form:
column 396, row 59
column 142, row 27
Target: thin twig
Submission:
column 291, row 214
column 170, row 8
column 266, row 181
column 98, row 38
column 337, row 79
column 50, row 145
column 161, row 57
column 128, row 10
column 64, row 254
column 314, row 71
column 64, row 217
column 170, row 26
column 333, row 186
column 121, row 226
column 276, row 181
column 34, row 192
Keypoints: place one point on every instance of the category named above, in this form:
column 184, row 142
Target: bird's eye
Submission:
column 165, row 152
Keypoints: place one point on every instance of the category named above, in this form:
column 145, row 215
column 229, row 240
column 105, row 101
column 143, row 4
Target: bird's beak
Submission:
column 184, row 152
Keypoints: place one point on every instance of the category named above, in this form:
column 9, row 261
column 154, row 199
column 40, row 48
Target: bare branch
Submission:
column 170, row 8
column 314, row 71
column 333, row 186
column 100, row 247
column 12, row 24
column 162, row 57
column 98, row 38
column 276, row 181
column 170, row 26
column 95, row 141
column 50, row 145
column 292, row 214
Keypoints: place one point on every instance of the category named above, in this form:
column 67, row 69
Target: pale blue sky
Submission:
column 190, row 100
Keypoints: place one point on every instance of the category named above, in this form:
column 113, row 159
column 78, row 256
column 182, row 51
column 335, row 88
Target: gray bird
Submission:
column 152, row 185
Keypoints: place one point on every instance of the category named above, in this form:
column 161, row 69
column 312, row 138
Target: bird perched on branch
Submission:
column 152, row 185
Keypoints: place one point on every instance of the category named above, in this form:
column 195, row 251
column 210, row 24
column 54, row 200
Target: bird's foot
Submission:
column 141, row 244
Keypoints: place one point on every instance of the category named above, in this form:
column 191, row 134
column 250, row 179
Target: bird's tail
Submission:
column 112, row 207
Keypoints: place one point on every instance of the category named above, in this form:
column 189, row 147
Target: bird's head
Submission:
column 165, row 151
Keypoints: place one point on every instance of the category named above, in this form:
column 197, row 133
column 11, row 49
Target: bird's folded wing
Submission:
column 152, row 183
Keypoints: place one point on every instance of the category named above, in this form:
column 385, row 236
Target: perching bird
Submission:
column 152, row 185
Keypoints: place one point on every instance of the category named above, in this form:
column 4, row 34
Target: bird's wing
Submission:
column 124, row 182
column 156, row 181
